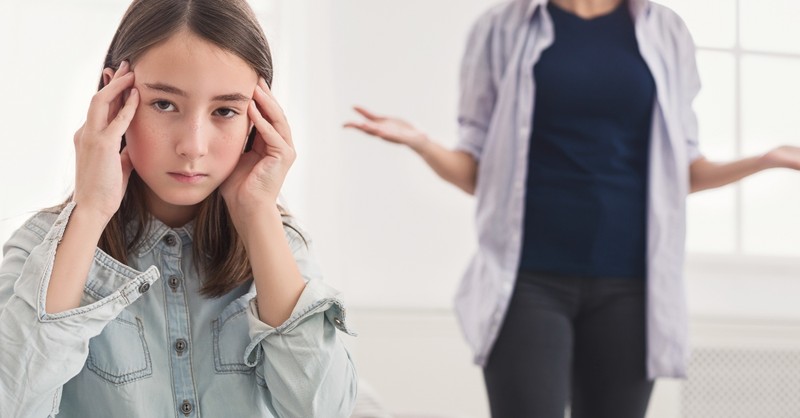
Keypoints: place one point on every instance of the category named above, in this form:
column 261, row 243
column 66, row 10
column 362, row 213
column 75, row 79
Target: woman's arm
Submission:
column 454, row 166
column 478, row 81
column 704, row 174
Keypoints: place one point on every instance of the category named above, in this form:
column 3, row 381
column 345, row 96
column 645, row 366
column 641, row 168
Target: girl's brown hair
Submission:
column 232, row 26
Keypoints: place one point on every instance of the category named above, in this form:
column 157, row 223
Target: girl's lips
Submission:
column 190, row 178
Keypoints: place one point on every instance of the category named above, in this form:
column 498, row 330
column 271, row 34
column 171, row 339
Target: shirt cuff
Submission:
column 317, row 298
column 42, row 259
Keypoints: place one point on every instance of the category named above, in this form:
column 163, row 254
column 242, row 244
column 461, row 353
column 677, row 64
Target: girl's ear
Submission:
column 108, row 74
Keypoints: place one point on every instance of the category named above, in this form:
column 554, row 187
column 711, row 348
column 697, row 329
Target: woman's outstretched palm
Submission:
column 787, row 156
column 391, row 129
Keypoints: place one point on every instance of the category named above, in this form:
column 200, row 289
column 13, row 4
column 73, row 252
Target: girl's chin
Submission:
column 179, row 201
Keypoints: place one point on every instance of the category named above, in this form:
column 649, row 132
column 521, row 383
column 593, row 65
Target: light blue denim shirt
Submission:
column 145, row 343
column 495, row 120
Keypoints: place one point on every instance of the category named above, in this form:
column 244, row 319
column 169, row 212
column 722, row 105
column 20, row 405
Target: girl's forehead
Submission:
column 191, row 61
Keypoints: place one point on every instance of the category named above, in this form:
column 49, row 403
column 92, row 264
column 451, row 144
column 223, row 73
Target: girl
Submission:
column 579, row 142
column 201, row 298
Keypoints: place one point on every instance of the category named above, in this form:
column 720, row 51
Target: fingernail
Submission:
column 122, row 65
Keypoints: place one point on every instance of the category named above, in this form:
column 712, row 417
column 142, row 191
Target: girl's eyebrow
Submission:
column 166, row 88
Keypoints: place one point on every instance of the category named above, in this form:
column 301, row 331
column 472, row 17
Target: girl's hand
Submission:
column 786, row 156
column 255, row 183
column 391, row 129
column 101, row 171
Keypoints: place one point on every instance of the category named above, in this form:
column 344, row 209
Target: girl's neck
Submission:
column 588, row 9
column 173, row 216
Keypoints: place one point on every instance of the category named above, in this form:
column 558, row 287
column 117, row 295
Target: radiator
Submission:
column 730, row 382
column 739, row 368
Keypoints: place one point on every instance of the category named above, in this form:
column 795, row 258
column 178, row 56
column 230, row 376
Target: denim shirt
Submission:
column 495, row 121
column 145, row 343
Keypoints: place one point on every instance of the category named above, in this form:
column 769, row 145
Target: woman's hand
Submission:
column 101, row 171
column 786, row 156
column 391, row 129
column 255, row 183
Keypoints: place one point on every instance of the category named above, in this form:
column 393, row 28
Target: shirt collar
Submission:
column 155, row 232
column 637, row 7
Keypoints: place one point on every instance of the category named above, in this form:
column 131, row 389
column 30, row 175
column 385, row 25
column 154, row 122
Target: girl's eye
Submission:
column 226, row 113
column 164, row 106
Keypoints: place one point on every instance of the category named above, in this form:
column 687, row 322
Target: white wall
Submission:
column 386, row 228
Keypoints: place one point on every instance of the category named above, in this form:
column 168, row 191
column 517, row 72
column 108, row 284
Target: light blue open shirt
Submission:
column 495, row 119
column 145, row 343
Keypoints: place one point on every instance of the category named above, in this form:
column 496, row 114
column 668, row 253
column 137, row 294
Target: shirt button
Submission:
column 174, row 282
column 144, row 287
column 337, row 321
column 186, row 407
column 180, row 345
column 170, row 240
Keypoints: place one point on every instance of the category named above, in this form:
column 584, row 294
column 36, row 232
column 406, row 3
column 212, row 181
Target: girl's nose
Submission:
column 193, row 142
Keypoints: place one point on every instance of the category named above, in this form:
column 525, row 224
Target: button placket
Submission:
column 177, row 315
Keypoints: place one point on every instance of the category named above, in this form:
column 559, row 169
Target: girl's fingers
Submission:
column 120, row 124
column 103, row 99
column 272, row 112
column 117, row 104
column 268, row 133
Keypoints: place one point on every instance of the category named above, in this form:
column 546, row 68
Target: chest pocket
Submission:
column 231, row 333
column 119, row 354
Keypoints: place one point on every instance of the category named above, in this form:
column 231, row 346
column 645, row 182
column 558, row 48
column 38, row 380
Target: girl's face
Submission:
column 191, row 124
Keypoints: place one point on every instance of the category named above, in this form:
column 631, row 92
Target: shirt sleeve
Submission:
column 306, row 366
column 690, row 88
column 42, row 351
column 479, row 82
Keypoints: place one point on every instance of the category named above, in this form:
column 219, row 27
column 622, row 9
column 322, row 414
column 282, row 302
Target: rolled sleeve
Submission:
column 47, row 349
column 690, row 88
column 306, row 366
column 478, row 83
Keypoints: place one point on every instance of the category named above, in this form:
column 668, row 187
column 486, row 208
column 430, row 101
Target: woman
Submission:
column 578, row 139
column 178, row 170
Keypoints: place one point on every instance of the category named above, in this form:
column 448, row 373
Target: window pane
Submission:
column 770, row 104
column 771, row 25
column 711, row 222
column 715, row 105
column 712, row 22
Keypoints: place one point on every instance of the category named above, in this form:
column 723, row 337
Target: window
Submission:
column 749, row 59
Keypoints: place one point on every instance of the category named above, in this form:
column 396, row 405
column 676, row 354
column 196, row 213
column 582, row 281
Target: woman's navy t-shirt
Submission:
column 585, row 211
